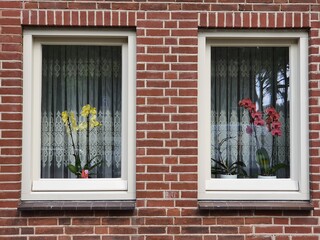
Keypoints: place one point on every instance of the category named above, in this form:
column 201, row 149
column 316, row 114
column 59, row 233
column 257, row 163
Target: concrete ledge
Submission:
column 76, row 205
column 255, row 205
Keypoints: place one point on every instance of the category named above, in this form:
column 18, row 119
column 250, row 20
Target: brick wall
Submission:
column 166, row 120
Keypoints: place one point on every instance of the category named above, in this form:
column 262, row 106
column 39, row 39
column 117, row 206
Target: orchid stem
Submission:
column 256, row 137
column 72, row 141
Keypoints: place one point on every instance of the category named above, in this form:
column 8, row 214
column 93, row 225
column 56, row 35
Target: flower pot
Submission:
column 267, row 177
column 228, row 176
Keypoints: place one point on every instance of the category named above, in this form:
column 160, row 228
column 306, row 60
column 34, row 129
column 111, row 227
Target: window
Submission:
column 253, row 108
column 79, row 101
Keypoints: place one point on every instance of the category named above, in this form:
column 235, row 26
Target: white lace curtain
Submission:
column 260, row 74
column 73, row 76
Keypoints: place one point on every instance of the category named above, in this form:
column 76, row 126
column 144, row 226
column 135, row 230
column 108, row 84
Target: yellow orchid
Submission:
column 83, row 126
column 65, row 117
column 94, row 122
column 86, row 110
column 73, row 122
column 93, row 111
column 70, row 122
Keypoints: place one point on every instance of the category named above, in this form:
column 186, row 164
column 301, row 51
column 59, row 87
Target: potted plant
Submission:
column 225, row 168
column 90, row 115
column 268, row 168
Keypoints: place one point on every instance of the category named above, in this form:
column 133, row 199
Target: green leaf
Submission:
column 95, row 165
column 77, row 161
column 224, row 168
column 221, row 164
column 73, row 169
column 277, row 167
column 263, row 160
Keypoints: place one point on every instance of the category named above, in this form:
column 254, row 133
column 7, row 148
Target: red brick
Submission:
column 258, row 238
column 254, row 20
column 154, row 6
column 160, row 203
column 186, row 237
column 271, row 229
column 152, row 212
column 298, row 229
column 224, row 7
column 42, row 221
column 157, row 151
column 48, row 230
column 157, row 15
column 152, row 230
column 79, row 230
column 204, row 20
column 183, row 186
column 10, row 4
column 125, row 6
column 266, row 7
column 258, row 220
column 152, row 126
column 187, row 203
column 230, row 221
column 231, row 237
column 85, row 237
column 82, row 5
column 86, row 221
column 116, row 221
column 184, row 84
column 185, row 134
column 295, row 7
column 304, row 237
column 288, row 19
column 304, row 221
column 50, row 17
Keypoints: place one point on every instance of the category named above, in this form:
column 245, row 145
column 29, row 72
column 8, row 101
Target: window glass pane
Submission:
column 239, row 134
column 74, row 76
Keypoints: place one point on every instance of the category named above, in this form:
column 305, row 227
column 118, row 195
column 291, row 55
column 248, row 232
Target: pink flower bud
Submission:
column 249, row 130
column 85, row 173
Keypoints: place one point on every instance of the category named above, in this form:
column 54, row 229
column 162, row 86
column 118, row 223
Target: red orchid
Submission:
column 248, row 104
column 276, row 125
column 256, row 115
column 270, row 111
column 259, row 122
column 276, row 132
column 271, row 120
column 273, row 124
column 245, row 102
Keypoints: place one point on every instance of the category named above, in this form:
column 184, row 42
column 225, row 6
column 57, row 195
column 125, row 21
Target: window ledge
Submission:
column 255, row 205
column 75, row 205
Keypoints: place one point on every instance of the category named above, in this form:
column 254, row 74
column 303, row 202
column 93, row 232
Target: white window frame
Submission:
column 297, row 186
column 33, row 186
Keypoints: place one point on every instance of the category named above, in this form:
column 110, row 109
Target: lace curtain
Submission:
column 73, row 76
column 258, row 73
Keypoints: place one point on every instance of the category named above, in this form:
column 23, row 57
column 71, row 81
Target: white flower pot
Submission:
column 228, row 176
column 267, row 177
